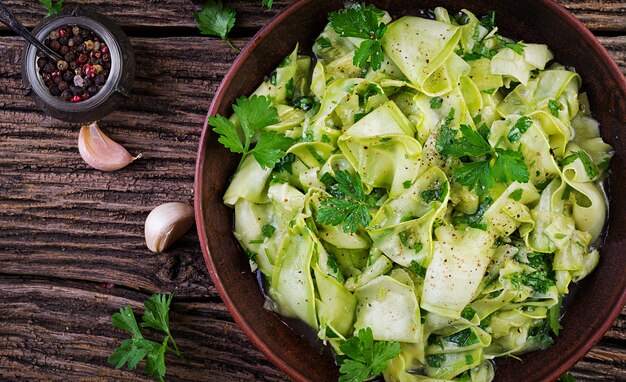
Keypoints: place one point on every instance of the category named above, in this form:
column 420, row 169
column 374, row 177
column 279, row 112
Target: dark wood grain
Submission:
column 601, row 16
column 71, row 238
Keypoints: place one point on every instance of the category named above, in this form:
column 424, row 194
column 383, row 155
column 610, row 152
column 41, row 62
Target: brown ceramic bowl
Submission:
column 600, row 297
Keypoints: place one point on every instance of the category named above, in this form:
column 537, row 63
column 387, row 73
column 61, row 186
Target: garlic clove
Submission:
column 166, row 224
column 100, row 151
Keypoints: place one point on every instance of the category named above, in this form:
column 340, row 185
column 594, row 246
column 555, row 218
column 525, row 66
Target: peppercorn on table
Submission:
column 72, row 248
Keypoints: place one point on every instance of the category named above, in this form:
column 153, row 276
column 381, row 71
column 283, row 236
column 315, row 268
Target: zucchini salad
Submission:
column 422, row 192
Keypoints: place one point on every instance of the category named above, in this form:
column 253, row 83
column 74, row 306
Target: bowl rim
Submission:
column 553, row 6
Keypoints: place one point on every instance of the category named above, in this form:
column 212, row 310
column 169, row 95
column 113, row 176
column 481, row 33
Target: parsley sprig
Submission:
column 364, row 357
column 138, row 348
column 52, row 6
column 361, row 21
column 348, row 206
column 254, row 113
column 216, row 19
column 498, row 165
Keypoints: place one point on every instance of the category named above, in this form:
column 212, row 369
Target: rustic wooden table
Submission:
column 71, row 238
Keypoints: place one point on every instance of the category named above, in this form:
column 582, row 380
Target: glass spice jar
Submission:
column 115, row 90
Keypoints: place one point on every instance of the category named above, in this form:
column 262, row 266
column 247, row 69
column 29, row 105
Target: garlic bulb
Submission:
column 100, row 151
column 166, row 224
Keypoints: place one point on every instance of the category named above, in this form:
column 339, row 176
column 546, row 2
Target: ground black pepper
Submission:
column 85, row 66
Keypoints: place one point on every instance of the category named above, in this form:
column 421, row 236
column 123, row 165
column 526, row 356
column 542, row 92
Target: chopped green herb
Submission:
column 435, row 103
column 305, row 103
column 290, row 88
column 516, row 195
column 517, row 47
column 475, row 220
column 469, row 359
column 418, row 268
column 520, row 127
column 323, row 42
column 554, row 107
column 590, row 168
column 468, row 313
column 435, row 360
column 489, row 20
column 446, row 134
column 268, row 230
column 406, row 184
column 436, row 192
column 539, row 281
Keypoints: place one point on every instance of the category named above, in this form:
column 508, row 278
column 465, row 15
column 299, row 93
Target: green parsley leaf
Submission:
column 271, row 148
column 348, row 206
column 436, row 102
column 268, row 230
column 406, row 184
column 254, row 114
column 590, row 168
column 517, row 47
column 516, row 195
column 52, row 6
column 228, row 134
column 446, row 134
column 475, row 175
column 554, row 107
column 267, row 3
column 520, row 127
column 215, row 19
column 510, row 167
column 138, row 348
column 156, row 315
column 365, row 358
column 125, row 320
column 472, row 144
column 361, row 21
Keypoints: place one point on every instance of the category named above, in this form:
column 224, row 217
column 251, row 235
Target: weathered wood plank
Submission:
column 53, row 330
column 598, row 15
column 141, row 14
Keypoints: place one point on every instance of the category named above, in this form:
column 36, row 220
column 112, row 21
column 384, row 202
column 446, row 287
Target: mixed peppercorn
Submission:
column 85, row 66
